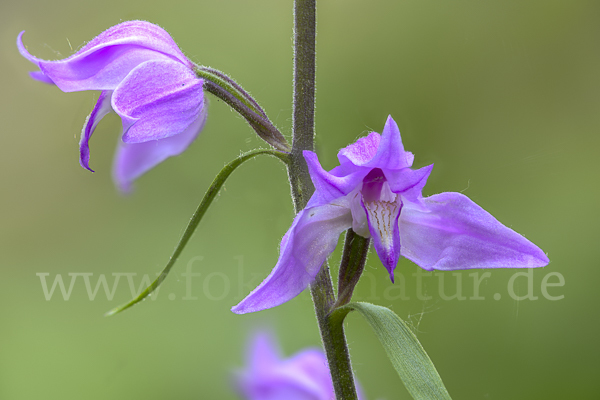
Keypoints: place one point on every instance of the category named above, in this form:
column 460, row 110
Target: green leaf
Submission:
column 210, row 194
column 403, row 349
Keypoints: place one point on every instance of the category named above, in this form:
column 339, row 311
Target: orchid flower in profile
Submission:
column 376, row 193
column 267, row 376
column 146, row 80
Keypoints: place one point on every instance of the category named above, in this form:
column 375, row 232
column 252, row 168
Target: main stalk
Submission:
column 332, row 335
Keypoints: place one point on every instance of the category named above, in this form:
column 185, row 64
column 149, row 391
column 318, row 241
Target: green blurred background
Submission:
column 503, row 96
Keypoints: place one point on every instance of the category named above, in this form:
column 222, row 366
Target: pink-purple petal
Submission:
column 107, row 59
column 362, row 151
column 311, row 239
column 156, row 100
column 23, row 50
column 263, row 353
column 458, row 234
column 384, row 151
column 329, row 187
column 390, row 153
column 138, row 33
column 267, row 376
column 409, row 183
column 101, row 70
column 133, row 160
column 101, row 108
column 313, row 364
column 39, row 76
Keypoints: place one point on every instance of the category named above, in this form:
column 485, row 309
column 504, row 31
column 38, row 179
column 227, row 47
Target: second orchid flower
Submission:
column 146, row 80
column 376, row 193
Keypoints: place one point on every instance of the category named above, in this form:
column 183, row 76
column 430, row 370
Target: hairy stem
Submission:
column 332, row 333
column 261, row 125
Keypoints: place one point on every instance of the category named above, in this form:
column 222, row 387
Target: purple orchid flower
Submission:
column 146, row 80
column 375, row 192
column 267, row 376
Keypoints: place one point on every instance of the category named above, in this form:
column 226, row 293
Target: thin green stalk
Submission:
column 261, row 125
column 230, row 85
column 303, row 118
column 209, row 196
column 332, row 333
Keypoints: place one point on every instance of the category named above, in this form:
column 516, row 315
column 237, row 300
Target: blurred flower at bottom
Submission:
column 268, row 376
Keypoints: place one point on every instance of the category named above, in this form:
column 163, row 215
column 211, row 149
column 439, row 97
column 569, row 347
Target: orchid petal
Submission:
column 360, row 222
column 458, row 234
column 309, row 369
column 384, row 151
column 101, row 108
column 263, row 353
column 39, row 76
column 133, row 160
column 361, row 152
column 305, row 376
column 409, row 183
column 311, row 239
column 383, row 225
column 390, row 153
column 138, row 33
column 108, row 58
column 156, row 100
column 328, row 186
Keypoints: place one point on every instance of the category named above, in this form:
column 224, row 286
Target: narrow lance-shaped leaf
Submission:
column 408, row 357
column 209, row 196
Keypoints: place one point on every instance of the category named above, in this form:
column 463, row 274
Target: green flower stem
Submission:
column 303, row 118
column 230, row 85
column 332, row 332
column 227, row 83
column 226, row 89
column 209, row 196
column 262, row 126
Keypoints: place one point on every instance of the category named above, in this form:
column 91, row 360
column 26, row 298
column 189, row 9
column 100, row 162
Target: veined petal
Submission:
column 383, row 217
column 361, row 152
column 103, row 70
column 101, row 108
column 108, row 58
column 133, row 160
column 156, row 100
column 307, row 244
column 458, row 234
column 139, row 33
column 329, row 187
